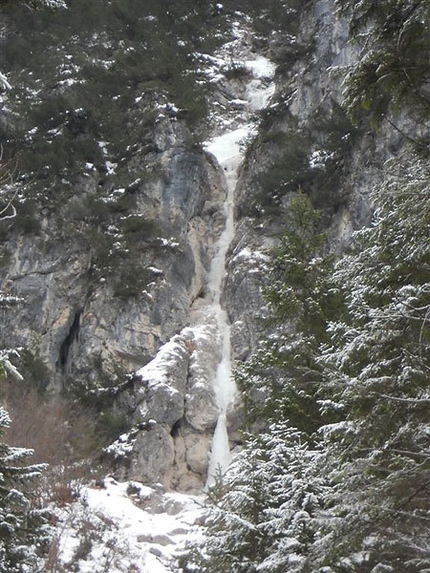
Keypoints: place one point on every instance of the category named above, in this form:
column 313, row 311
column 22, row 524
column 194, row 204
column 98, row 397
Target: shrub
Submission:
column 34, row 371
column 27, row 220
column 131, row 281
column 62, row 433
column 235, row 70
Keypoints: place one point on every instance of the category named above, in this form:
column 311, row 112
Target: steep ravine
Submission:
column 219, row 208
column 88, row 327
column 185, row 397
column 183, row 403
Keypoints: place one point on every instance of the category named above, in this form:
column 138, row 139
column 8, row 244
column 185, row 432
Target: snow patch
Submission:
column 227, row 147
column 109, row 528
column 261, row 67
column 166, row 358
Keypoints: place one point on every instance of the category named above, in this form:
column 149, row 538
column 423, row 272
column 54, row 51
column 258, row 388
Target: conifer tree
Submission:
column 393, row 69
column 22, row 534
column 301, row 301
column 264, row 516
column 378, row 367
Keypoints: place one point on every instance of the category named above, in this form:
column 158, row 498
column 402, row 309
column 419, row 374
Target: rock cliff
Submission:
column 112, row 273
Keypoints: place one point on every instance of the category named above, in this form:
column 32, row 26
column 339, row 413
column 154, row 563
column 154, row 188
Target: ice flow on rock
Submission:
column 228, row 150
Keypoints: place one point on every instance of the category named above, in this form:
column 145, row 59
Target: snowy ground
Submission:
column 126, row 528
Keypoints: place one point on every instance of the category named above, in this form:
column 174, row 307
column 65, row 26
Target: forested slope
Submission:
column 111, row 212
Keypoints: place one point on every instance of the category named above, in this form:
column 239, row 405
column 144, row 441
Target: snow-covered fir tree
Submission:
column 266, row 507
column 378, row 364
column 22, row 523
column 393, row 69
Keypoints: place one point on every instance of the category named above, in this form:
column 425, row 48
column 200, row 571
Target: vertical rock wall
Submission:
column 85, row 333
column 73, row 320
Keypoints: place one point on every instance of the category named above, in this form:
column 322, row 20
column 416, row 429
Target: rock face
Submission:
column 80, row 327
column 171, row 402
column 90, row 321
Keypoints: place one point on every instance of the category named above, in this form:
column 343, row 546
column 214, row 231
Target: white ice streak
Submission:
column 260, row 89
column 228, row 151
column 261, row 68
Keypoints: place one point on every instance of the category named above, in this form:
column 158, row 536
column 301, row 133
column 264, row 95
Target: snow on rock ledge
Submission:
column 159, row 387
column 171, row 405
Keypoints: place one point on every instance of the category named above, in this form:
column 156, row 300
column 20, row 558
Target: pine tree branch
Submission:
column 405, row 400
column 405, row 135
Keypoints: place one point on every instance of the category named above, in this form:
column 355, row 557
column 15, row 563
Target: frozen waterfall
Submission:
column 228, row 150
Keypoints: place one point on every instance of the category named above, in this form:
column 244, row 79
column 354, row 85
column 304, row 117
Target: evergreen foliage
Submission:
column 264, row 511
column 89, row 84
column 22, row 534
column 313, row 157
column 378, row 363
column 394, row 67
column 301, row 302
column 351, row 371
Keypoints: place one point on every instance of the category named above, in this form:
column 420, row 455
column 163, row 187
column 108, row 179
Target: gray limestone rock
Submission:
column 159, row 387
column 152, row 454
column 76, row 315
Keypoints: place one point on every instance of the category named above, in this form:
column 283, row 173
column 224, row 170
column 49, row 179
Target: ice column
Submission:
column 227, row 150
